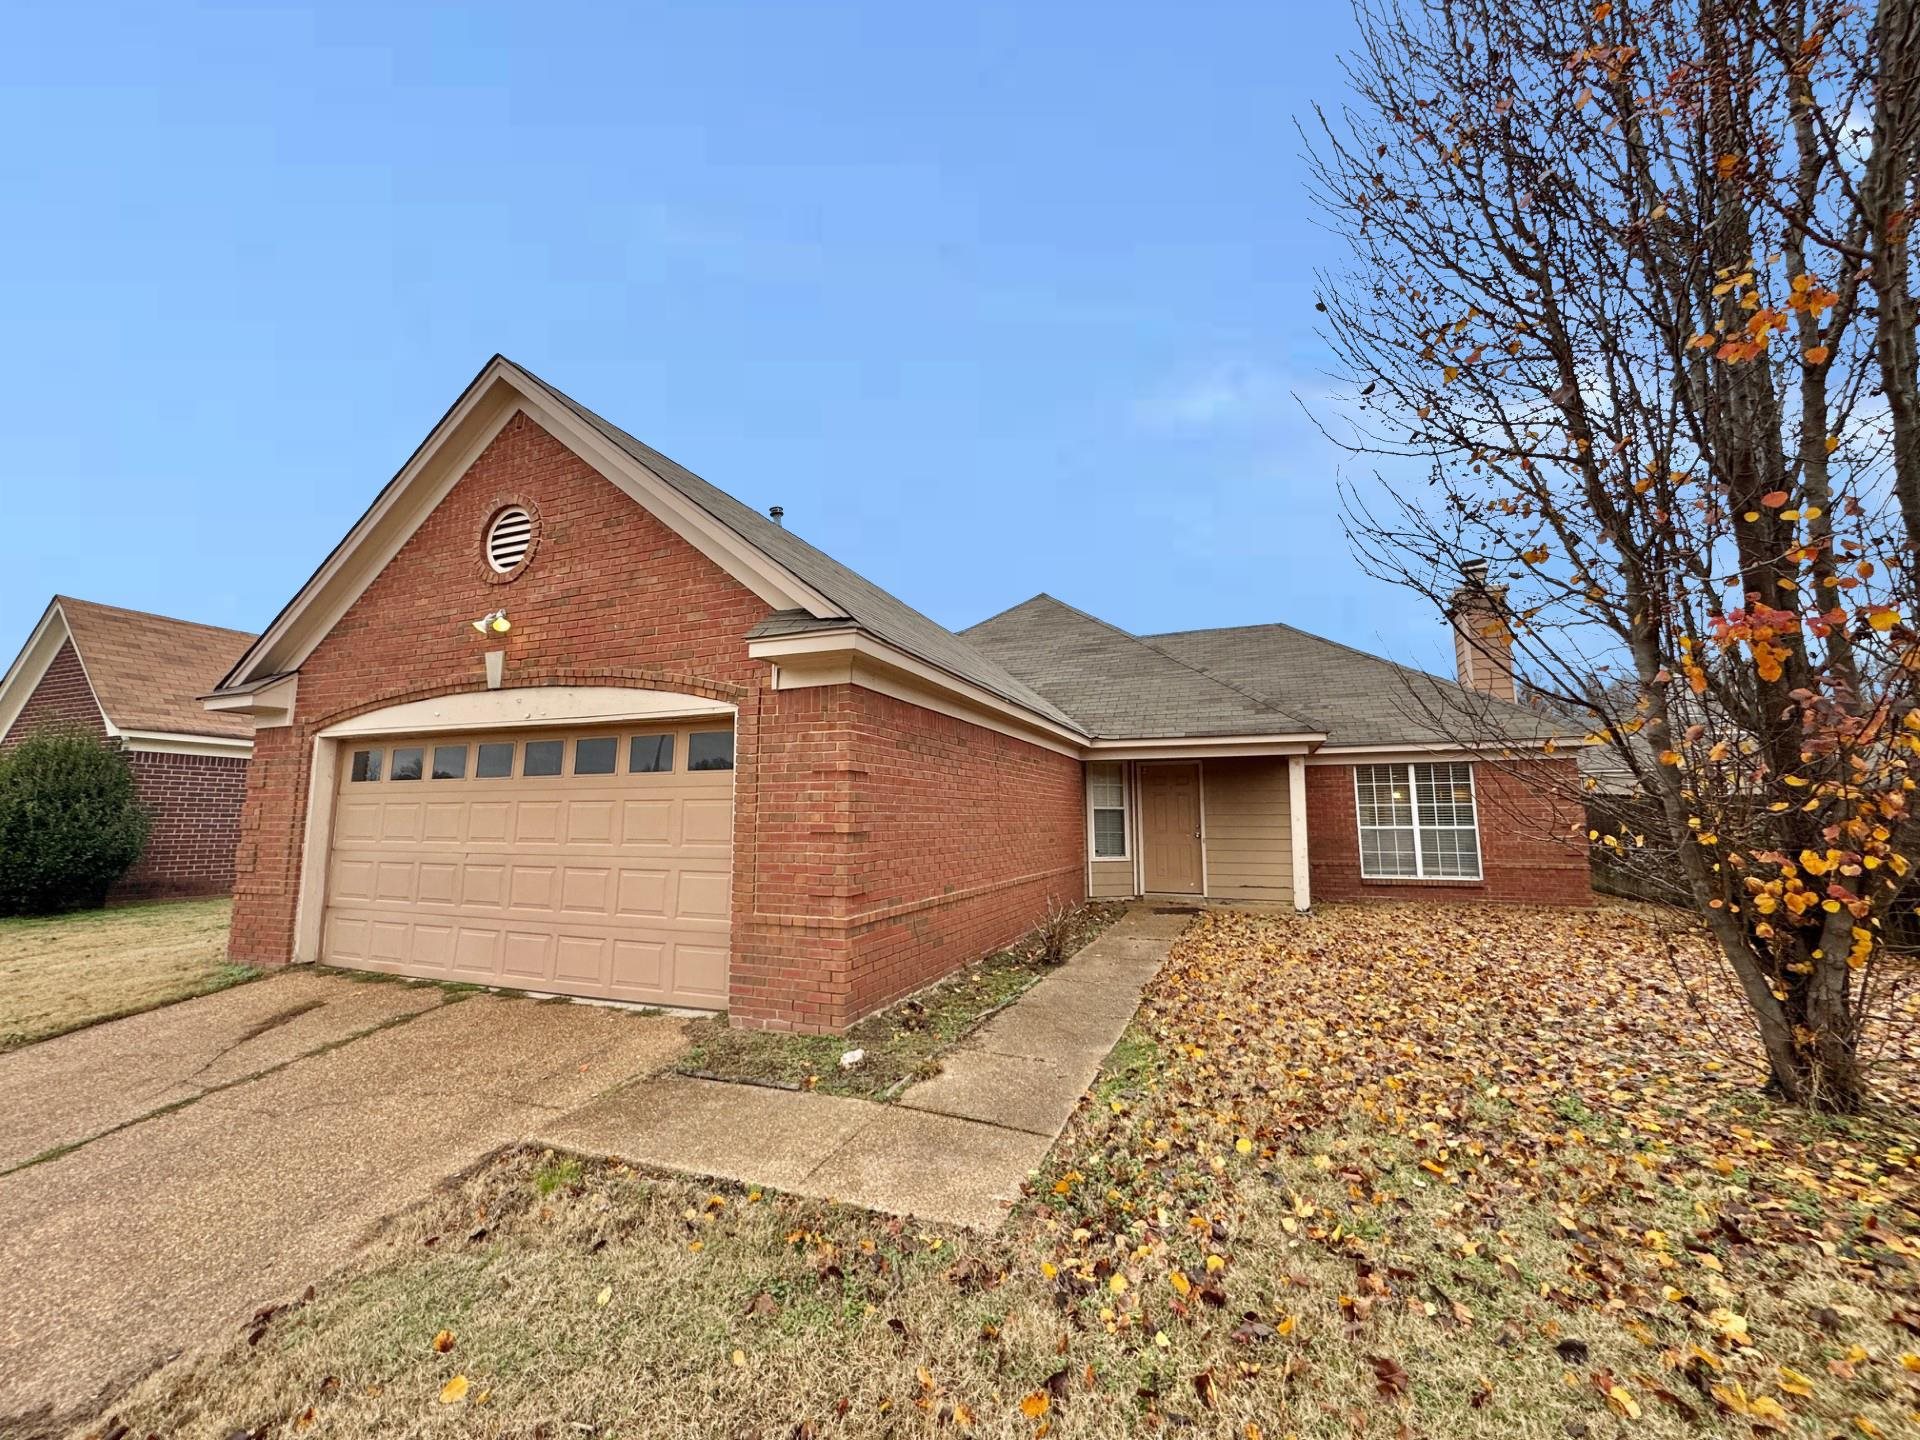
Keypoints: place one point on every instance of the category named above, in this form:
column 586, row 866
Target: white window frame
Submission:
column 1420, row 873
column 1126, row 812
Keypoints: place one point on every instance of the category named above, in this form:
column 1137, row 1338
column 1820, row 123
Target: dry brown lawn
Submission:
column 902, row 1043
column 1385, row 1172
column 67, row 971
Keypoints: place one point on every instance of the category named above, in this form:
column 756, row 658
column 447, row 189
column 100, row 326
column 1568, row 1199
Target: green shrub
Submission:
column 70, row 822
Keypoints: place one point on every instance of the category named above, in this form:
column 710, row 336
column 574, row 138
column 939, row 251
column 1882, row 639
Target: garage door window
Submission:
column 408, row 763
column 449, row 762
column 710, row 750
column 650, row 755
column 595, row 756
column 494, row 762
column 543, row 757
column 366, row 764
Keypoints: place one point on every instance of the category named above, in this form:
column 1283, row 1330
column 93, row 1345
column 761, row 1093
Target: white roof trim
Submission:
column 173, row 742
column 30, row 667
column 810, row 659
column 1194, row 747
column 1382, row 754
column 501, row 390
column 827, row 657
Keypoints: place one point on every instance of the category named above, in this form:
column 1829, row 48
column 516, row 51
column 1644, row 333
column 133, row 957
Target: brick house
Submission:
column 135, row 678
column 558, row 714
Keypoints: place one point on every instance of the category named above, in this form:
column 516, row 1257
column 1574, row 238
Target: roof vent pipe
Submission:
column 778, row 514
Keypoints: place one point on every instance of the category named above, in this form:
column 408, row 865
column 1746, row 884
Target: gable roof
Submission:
column 1118, row 687
column 1363, row 699
column 1062, row 666
column 805, row 587
column 145, row 670
column 874, row 610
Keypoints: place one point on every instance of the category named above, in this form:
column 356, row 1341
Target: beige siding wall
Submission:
column 1249, row 833
column 1111, row 880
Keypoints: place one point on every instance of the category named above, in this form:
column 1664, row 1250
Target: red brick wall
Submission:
column 195, row 801
column 962, row 838
column 613, row 597
column 62, row 697
column 1532, row 849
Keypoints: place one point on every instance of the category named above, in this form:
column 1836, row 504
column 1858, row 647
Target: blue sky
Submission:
column 992, row 298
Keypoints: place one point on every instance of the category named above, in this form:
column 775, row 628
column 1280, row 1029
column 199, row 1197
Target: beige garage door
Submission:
column 585, row 862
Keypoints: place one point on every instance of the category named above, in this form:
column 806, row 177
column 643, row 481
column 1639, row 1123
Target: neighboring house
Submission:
column 558, row 714
column 135, row 678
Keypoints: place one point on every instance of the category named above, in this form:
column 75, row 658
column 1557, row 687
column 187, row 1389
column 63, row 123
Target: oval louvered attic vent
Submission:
column 508, row 538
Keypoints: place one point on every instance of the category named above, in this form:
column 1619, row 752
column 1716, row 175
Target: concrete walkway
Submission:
column 307, row 1109
column 954, row 1148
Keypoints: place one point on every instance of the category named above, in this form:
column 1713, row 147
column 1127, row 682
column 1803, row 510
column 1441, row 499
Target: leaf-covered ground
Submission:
column 1385, row 1172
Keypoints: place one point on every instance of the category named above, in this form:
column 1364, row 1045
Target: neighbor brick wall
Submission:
column 195, row 802
column 612, row 596
column 63, row 697
column 1530, row 839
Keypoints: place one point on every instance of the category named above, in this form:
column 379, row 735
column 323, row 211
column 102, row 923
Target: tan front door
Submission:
column 581, row 861
column 1170, row 828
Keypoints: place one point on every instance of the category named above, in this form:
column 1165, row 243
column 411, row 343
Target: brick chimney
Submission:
column 1482, row 639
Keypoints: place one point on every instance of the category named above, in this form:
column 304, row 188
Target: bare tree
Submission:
column 1631, row 283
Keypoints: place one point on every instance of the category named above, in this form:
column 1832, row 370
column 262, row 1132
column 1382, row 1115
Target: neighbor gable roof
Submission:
column 145, row 670
column 804, row 586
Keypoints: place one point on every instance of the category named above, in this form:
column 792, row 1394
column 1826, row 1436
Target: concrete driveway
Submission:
column 163, row 1176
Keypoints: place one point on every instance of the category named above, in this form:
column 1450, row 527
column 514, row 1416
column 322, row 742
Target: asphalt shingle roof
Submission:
column 147, row 670
column 1117, row 686
column 872, row 608
column 1361, row 699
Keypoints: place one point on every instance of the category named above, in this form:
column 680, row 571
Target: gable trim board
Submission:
column 30, row 667
column 499, row 392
